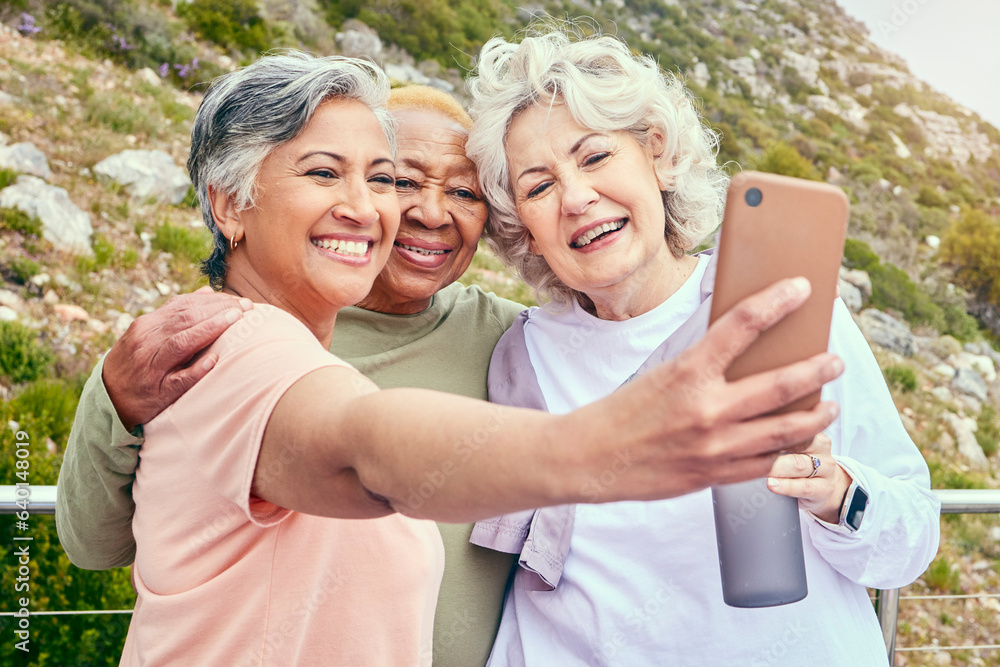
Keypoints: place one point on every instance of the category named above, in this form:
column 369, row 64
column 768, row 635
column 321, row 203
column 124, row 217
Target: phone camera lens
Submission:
column 754, row 196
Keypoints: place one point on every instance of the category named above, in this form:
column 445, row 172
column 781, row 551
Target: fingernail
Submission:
column 246, row 304
column 800, row 285
column 837, row 365
column 773, row 484
column 833, row 410
column 208, row 363
column 233, row 315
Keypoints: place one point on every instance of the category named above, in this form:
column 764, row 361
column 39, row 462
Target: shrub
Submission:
column 193, row 245
column 235, row 24
column 7, row 177
column 902, row 378
column 942, row 576
column 16, row 220
column 988, row 430
column 22, row 359
column 22, row 269
column 859, row 255
column 972, row 245
column 780, row 158
column 930, row 197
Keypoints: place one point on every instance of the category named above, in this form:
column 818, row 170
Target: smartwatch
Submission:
column 853, row 509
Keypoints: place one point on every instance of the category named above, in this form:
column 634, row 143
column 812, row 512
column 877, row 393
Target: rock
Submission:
column 964, row 430
column 699, row 74
column 122, row 323
column 41, row 279
column 885, row 330
column 969, row 382
column 984, row 348
column 406, row 74
column 7, row 99
column 11, row 300
column 943, row 394
column 865, row 91
column 995, row 533
column 146, row 174
column 50, row 298
column 441, row 84
column 833, row 175
column 976, row 362
column 851, row 296
column 163, row 289
column 859, row 279
column 902, row 150
column 944, row 370
column 147, row 75
column 357, row 39
column 98, row 326
column 26, row 159
column 945, row 346
column 67, row 312
column 898, row 190
column 63, row 224
column 933, row 242
column 7, row 314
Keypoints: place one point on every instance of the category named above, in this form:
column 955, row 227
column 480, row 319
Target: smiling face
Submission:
column 442, row 213
column 324, row 218
column 591, row 201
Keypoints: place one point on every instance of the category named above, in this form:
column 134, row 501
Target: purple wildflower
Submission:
column 164, row 70
column 27, row 25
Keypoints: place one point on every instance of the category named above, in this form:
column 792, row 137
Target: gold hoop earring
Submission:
column 233, row 243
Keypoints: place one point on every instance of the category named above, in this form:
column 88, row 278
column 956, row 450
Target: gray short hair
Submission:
column 248, row 113
column 606, row 88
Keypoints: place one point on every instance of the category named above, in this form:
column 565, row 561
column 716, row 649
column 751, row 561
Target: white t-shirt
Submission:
column 641, row 584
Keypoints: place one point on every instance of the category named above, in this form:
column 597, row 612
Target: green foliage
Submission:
column 185, row 243
column 106, row 255
column 448, row 32
column 901, row 377
column 859, row 255
column 16, row 220
column 988, row 430
column 7, row 177
column 780, row 158
column 232, row 24
column 22, row 269
column 943, row 576
column 22, row 358
column 44, row 412
column 972, row 245
column 119, row 113
column 930, row 197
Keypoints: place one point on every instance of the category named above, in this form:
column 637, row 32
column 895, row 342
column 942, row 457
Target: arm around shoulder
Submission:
column 94, row 504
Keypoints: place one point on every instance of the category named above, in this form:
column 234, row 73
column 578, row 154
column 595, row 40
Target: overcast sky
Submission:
column 954, row 45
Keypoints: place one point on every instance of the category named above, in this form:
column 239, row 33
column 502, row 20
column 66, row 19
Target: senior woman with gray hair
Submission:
column 279, row 501
column 601, row 177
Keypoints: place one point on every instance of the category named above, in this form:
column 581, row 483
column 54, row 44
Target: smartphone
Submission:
column 775, row 227
column 780, row 227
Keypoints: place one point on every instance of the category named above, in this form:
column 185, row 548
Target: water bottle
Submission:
column 760, row 545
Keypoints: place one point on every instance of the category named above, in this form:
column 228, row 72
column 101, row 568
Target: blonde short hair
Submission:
column 425, row 98
column 606, row 88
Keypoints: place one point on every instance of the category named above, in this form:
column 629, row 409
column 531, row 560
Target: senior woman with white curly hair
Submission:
column 279, row 502
column 601, row 177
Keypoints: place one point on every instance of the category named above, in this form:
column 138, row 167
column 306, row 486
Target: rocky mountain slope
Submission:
column 97, row 223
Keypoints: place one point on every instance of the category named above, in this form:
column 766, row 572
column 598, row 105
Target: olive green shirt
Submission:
column 446, row 347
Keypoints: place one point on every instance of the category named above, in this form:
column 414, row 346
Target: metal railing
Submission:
column 42, row 500
column 953, row 501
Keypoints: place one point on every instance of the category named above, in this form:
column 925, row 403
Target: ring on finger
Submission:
column 816, row 464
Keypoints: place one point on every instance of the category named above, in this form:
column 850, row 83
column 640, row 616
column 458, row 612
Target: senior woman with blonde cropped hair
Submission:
column 601, row 178
column 279, row 501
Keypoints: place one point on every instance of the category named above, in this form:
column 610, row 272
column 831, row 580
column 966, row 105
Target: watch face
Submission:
column 856, row 512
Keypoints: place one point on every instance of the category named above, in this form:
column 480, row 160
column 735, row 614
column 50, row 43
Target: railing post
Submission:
column 887, row 609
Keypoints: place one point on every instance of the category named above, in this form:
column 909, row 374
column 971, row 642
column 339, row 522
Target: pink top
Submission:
column 227, row 579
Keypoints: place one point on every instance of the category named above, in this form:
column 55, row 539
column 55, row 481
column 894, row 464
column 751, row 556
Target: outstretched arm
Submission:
column 153, row 363
column 336, row 446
